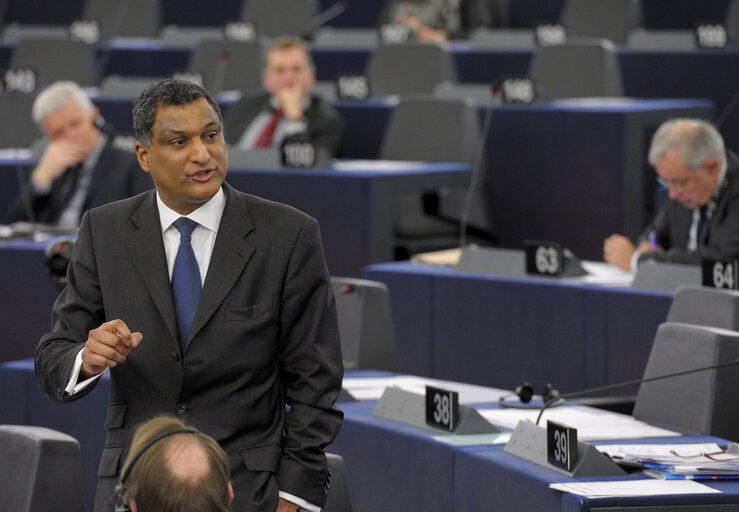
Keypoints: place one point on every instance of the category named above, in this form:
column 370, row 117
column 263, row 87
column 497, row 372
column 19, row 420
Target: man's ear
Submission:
column 142, row 153
column 713, row 165
column 230, row 494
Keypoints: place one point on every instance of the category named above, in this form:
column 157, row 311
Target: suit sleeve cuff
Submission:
column 310, row 507
column 73, row 387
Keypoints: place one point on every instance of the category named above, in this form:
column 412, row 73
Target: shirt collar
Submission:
column 208, row 215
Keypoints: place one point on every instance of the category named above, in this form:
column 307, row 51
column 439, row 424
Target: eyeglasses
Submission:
column 731, row 453
column 678, row 184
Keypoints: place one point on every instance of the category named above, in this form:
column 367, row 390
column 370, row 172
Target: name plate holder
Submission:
column 409, row 408
column 529, row 442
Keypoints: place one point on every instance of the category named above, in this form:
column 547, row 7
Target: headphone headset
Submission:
column 525, row 392
column 57, row 255
column 120, row 488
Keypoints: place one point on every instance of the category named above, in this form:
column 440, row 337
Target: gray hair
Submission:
column 167, row 92
column 695, row 139
column 58, row 95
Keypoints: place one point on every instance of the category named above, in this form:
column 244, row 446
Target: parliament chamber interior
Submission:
column 462, row 215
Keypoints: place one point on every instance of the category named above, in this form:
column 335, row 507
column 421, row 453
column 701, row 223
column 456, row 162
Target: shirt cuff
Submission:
column 635, row 260
column 73, row 387
column 40, row 190
column 299, row 502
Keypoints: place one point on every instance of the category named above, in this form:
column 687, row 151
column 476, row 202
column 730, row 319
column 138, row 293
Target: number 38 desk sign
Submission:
column 561, row 446
column 442, row 408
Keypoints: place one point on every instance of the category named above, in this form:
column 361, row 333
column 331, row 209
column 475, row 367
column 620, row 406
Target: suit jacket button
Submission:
column 181, row 409
column 176, row 356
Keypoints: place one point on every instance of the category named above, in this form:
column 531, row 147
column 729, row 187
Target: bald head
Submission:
column 187, row 460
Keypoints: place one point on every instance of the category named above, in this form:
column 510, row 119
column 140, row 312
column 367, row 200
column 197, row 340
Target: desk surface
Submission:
column 410, row 469
column 501, row 331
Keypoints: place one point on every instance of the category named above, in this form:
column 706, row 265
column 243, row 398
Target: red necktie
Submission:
column 265, row 138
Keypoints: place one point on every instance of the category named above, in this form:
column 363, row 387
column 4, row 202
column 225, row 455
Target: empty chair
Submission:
column 271, row 18
column 580, row 69
column 338, row 499
column 409, row 68
column 609, row 19
column 433, row 130
column 23, row 131
column 57, row 60
column 228, row 65
column 40, row 470
column 705, row 306
column 332, row 37
column 703, row 402
column 129, row 18
column 365, row 324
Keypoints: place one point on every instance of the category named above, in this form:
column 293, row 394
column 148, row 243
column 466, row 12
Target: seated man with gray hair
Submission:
column 700, row 218
column 80, row 168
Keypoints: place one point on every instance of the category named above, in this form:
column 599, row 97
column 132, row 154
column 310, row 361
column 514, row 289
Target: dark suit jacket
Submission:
column 720, row 239
column 117, row 176
column 325, row 126
column 264, row 336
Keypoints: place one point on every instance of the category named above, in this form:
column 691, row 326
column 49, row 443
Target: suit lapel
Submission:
column 146, row 249
column 230, row 255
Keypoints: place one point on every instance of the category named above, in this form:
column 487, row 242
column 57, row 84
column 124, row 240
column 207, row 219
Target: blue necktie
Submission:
column 185, row 280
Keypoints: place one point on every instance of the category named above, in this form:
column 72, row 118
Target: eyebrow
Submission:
column 169, row 131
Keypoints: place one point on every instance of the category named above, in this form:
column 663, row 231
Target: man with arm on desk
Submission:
column 700, row 218
column 205, row 303
column 287, row 110
column 80, row 168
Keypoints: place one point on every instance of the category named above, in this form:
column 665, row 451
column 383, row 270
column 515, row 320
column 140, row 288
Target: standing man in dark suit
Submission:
column 700, row 218
column 253, row 359
column 80, row 168
column 287, row 110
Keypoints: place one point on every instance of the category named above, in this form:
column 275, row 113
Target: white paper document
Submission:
column 626, row 488
column 371, row 388
column 591, row 424
column 377, row 165
column 663, row 452
column 603, row 274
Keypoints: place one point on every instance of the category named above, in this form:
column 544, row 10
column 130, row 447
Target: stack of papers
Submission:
column 627, row 488
column 696, row 461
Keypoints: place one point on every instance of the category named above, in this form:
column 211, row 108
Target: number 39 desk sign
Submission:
column 561, row 446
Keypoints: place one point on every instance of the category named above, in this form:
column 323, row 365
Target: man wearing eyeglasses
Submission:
column 700, row 218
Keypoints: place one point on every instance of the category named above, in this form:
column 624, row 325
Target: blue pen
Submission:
column 653, row 240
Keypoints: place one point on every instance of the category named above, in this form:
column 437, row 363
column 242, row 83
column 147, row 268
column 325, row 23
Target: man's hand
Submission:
column 618, row 250
column 107, row 347
column 57, row 158
column 286, row 506
column 291, row 101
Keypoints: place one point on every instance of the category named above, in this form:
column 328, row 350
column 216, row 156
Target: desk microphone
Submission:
column 555, row 397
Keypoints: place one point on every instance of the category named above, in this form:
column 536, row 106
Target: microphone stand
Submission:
column 556, row 396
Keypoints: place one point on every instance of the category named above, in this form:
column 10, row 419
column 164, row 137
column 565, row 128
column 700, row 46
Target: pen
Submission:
column 652, row 240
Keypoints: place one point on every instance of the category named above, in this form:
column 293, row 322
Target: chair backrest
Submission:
column 338, row 499
column 23, row 131
column 703, row 402
column 609, row 19
column 664, row 40
column 410, row 68
column 270, row 17
column 585, row 68
column 228, row 65
column 732, row 22
column 40, row 470
column 432, row 130
column 57, row 60
column 705, row 306
column 124, row 18
column 365, row 324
